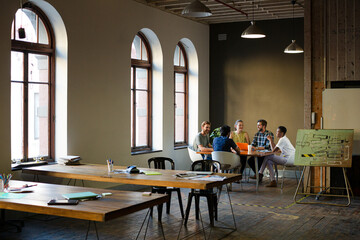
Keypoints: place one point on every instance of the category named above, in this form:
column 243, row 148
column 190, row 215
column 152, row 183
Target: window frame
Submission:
column 182, row 70
column 42, row 49
column 142, row 64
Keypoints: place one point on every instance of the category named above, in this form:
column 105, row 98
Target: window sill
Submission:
column 145, row 152
column 180, row 147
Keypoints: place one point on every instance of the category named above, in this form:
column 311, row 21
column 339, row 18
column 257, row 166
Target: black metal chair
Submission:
column 160, row 163
column 211, row 196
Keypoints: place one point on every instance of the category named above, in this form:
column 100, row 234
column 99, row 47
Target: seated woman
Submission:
column 240, row 136
column 287, row 155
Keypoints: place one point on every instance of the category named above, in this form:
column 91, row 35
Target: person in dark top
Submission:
column 224, row 143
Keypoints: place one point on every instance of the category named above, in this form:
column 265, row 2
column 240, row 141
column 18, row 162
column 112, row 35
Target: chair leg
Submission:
column 283, row 176
column 197, row 206
column 168, row 203
column 215, row 207
column 211, row 209
column 151, row 211
column 187, row 212
column 180, row 202
column 160, row 208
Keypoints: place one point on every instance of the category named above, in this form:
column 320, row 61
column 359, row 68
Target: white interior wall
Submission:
column 99, row 40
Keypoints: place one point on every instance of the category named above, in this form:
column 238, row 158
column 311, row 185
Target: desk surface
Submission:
column 256, row 153
column 98, row 172
column 120, row 203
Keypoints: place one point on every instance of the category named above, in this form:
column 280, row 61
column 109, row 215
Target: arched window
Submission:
column 32, row 85
column 141, row 133
column 181, row 96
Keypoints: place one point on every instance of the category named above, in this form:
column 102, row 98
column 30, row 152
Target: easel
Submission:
column 323, row 189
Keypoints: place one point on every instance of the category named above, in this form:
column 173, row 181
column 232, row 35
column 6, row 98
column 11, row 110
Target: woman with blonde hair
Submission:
column 240, row 136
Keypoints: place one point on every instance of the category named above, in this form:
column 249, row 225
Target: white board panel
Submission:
column 341, row 110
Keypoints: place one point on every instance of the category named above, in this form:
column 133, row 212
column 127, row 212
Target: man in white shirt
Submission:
column 287, row 154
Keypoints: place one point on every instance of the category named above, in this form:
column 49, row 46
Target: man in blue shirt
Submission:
column 260, row 142
column 224, row 143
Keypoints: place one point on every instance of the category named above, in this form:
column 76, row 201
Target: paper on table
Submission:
column 212, row 178
column 152, row 173
column 11, row 195
column 201, row 177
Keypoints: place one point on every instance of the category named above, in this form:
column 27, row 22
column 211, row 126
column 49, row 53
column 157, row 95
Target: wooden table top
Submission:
column 98, row 172
column 255, row 153
column 120, row 203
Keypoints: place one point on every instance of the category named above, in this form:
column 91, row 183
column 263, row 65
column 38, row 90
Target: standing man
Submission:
column 260, row 142
column 202, row 139
column 287, row 154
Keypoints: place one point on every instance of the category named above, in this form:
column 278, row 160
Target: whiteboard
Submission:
column 341, row 110
column 324, row 147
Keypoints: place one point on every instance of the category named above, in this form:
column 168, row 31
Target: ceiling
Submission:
column 263, row 9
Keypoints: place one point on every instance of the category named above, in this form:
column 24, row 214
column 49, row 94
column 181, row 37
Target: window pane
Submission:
column 179, row 117
column 43, row 35
column 135, row 48
column 141, row 118
column 132, row 118
column 38, row 120
column 182, row 59
column 17, row 66
column 176, row 56
column 179, row 82
column 12, row 31
column 38, row 68
column 26, row 19
column 141, row 78
column 17, row 121
column 144, row 55
column 132, row 78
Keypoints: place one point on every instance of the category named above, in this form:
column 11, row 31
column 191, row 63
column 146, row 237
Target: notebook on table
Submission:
column 80, row 195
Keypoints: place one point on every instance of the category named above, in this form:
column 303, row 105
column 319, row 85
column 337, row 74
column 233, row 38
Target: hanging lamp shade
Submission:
column 196, row 9
column 293, row 48
column 253, row 31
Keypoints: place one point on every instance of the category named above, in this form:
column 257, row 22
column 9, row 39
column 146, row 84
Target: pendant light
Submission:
column 293, row 47
column 21, row 30
column 253, row 31
column 196, row 9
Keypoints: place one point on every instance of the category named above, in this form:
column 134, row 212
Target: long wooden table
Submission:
column 98, row 172
column 118, row 204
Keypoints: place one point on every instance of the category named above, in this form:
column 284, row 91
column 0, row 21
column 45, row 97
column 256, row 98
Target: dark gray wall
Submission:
column 253, row 78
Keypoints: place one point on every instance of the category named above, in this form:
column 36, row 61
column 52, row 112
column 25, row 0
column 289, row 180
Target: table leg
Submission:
column 257, row 172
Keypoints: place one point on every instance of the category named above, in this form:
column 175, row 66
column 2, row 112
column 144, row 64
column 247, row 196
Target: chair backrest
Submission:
column 205, row 165
column 228, row 158
column 242, row 146
column 160, row 162
column 193, row 155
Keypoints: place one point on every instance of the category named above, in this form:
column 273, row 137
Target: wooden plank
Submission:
column 341, row 50
column 350, row 40
column 120, row 203
column 98, row 172
column 357, row 39
column 307, row 65
column 332, row 40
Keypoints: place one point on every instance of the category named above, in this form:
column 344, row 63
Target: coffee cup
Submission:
column 249, row 148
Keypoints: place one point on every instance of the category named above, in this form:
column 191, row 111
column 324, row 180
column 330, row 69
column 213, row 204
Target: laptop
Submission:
column 242, row 146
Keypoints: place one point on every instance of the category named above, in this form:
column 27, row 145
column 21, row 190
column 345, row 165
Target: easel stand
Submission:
column 323, row 190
